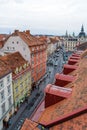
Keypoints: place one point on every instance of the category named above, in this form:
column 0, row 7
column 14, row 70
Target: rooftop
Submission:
column 65, row 77
column 29, row 125
column 70, row 66
column 4, row 69
column 28, row 38
column 58, row 91
column 76, row 103
column 14, row 60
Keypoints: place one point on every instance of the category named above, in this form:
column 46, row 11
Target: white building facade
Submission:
column 14, row 44
column 6, row 99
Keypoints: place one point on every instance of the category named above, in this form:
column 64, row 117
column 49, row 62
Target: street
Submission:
column 27, row 108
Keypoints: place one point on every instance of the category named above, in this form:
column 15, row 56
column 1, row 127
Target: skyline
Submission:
column 51, row 17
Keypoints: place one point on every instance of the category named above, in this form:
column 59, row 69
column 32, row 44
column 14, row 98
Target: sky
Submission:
column 43, row 16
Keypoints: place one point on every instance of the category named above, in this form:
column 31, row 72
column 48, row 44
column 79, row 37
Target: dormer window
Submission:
column 24, row 66
column 16, row 71
column 27, row 64
column 33, row 49
column 20, row 69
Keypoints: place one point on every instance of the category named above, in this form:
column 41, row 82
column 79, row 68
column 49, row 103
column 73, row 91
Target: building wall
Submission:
column 6, row 98
column 21, row 87
column 36, row 59
column 14, row 44
column 38, row 64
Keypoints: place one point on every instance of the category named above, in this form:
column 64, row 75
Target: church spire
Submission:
column 66, row 34
column 82, row 28
column 82, row 33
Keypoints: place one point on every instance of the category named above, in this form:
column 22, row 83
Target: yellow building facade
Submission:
column 21, row 86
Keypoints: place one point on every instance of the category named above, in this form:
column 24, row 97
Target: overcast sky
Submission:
column 43, row 16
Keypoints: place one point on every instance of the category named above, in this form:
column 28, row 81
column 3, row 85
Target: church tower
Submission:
column 82, row 33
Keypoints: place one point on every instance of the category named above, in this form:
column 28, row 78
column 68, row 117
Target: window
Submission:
column 22, row 93
column 7, row 47
column 9, row 89
column 32, row 62
column 32, row 55
column 21, row 85
column 13, row 42
column 3, row 108
column 16, row 89
column 20, row 69
column 24, row 48
column 2, row 96
column 33, row 49
column 26, row 82
column 17, row 42
column 8, row 78
column 24, row 66
column 1, row 84
column 37, row 48
column 10, row 101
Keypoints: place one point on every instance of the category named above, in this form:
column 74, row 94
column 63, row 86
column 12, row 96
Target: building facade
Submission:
column 21, row 77
column 6, row 95
column 72, row 42
column 32, row 49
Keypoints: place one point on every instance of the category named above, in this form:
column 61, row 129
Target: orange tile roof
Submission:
column 77, row 123
column 29, row 125
column 77, row 101
column 1, row 44
column 37, row 113
column 2, row 37
column 13, row 60
column 28, row 38
column 4, row 69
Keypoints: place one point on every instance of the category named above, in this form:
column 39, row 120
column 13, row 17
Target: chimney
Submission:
column 16, row 31
column 28, row 32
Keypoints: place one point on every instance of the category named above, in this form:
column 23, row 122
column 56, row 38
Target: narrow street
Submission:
column 37, row 95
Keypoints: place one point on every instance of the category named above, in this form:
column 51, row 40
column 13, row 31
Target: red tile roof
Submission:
column 70, row 66
column 73, row 61
column 58, row 91
column 76, row 54
column 74, row 57
column 76, row 103
column 65, row 77
column 29, row 125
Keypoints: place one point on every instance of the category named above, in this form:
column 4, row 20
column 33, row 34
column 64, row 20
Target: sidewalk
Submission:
column 22, row 108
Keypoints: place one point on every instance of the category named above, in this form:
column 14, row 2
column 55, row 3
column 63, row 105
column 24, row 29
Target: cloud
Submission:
column 49, row 15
